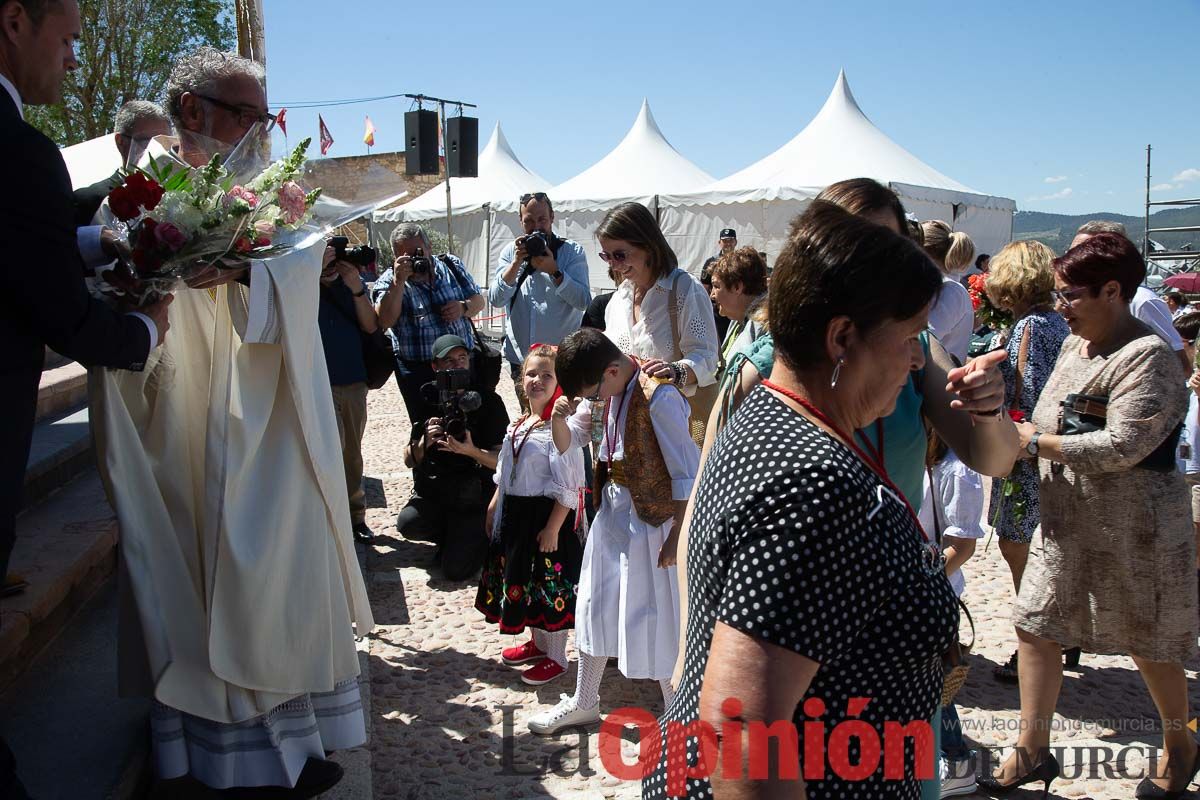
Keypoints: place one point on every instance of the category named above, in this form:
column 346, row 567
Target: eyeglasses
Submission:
column 615, row 257
column 1069, row 296
column 245, row 116
column 539, row 196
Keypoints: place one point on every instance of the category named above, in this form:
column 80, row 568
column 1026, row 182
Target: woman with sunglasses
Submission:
column 1114, row 572
column 678, row 344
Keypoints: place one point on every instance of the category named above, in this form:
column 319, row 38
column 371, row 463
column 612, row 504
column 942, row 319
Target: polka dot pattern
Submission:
column 793, row 542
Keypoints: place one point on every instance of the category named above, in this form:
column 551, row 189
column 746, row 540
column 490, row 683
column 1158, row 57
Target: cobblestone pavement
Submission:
column 449, row 718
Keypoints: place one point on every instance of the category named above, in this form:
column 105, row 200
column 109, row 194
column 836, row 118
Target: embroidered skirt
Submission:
column 522, row 586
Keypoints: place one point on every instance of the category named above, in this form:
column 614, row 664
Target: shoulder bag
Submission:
column 378, row 357
column 701, row 403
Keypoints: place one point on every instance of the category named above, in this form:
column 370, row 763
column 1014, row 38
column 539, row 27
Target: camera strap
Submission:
column 528, row 269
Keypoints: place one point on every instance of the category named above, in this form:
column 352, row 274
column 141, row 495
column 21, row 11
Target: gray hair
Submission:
column 200, row 72
column 134, row 112
column 1095, row 226
column 409, row 230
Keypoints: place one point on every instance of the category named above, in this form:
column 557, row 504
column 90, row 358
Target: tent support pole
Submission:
column 487, row 258
column 446, row 172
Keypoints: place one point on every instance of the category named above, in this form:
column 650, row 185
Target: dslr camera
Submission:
column 363, row 256
column 536, row 244
column 447, row 390
column 421, row 262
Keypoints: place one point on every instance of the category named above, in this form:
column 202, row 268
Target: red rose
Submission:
column 145, row 260
column 123, row 204
column 243, row 245
column 1016, row 415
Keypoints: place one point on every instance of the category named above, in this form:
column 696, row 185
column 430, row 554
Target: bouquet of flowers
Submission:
column 989, row 314
column 180, row 221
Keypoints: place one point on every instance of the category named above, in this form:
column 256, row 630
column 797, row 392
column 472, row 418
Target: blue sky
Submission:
column 1049, row 103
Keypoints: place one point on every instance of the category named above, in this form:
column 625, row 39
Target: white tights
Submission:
column 587, row 686
column 553, row 644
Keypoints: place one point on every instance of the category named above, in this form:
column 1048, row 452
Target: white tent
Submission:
column 839, row 143
column 92, row 161
column 502, row 180
column 641, row 167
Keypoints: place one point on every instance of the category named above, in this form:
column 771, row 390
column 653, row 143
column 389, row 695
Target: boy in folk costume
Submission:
column 627, row 604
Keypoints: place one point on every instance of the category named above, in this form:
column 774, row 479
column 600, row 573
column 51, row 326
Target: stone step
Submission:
column 53, row 360
column 62, row 449
column 65, row 549
column 62, row 388
column 72, row 736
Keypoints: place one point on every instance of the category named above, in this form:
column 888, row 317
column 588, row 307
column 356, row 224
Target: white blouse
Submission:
column 651, row 336
column 952, row 318
column 540, row 470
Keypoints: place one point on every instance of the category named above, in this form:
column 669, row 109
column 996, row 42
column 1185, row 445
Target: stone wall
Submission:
column 350, row 176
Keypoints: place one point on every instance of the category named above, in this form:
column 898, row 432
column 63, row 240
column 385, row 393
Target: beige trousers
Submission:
column 350, row 407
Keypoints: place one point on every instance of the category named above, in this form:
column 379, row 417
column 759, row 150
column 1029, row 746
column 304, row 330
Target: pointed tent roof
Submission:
column 643, row 164
column 839, row 143
column 502, row 179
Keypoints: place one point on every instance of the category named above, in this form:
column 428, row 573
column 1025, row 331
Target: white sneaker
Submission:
column 958, row 777
column 563, row 715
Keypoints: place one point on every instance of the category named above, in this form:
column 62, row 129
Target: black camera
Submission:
column 420, row 262
column 362, row 256
column 447, row 390
column 536, row 244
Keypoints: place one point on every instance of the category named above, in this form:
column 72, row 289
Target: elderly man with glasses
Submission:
column 225, row 468
column 541, row 283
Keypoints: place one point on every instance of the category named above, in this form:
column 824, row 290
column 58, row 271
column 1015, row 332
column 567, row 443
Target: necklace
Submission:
column 874, row 462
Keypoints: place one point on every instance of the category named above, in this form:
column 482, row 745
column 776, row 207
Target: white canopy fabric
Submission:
column 839, row 143
column 502, row 178
column 642, row 165
column 92, row 161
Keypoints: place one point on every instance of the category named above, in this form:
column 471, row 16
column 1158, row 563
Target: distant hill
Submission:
column 1057, row 230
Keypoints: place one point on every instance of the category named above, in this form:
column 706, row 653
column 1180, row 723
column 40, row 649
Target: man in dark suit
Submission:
column 136, row 124
column 42, row 294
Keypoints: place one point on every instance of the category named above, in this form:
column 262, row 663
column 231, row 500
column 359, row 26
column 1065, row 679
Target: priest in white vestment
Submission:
column 241, row 592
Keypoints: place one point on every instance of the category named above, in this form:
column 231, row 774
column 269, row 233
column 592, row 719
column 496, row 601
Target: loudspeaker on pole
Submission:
column 462, row 157
column 421, row 142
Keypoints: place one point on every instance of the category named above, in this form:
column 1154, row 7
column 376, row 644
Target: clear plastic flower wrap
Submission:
column 181, row 221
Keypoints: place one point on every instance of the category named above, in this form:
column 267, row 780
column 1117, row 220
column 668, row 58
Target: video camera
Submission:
column 362, row 256
column 447, row 390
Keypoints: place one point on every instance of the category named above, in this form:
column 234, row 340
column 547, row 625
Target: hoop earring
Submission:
column 837, row 371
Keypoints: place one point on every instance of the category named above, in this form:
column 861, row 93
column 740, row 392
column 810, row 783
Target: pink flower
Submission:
column 241, row 193
column 291, row 202
column 264, row 228
column 170, row 236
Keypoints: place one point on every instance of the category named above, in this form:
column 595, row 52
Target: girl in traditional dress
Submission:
column 532, row 569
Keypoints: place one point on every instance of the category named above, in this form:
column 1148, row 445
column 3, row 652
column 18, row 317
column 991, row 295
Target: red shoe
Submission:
column 544, row 671
column 521, row 654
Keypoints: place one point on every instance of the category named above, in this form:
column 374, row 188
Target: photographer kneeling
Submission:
column 453, row 458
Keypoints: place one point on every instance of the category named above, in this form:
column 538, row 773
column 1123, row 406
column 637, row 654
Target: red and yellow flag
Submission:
column 369, row 135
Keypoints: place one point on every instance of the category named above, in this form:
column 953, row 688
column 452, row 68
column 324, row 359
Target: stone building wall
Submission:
column 349, row 176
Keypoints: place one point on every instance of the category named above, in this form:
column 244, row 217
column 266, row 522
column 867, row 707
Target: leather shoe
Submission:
column 13, row 584
column 1149, row 790
column 362, row 533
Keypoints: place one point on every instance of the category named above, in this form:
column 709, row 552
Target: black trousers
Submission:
column 11, row 787
column 410, row 377
column 457, row 527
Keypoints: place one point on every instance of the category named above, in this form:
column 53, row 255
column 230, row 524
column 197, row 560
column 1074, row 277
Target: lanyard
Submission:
column 512, row 443
column 874, row 462
column 611, row 441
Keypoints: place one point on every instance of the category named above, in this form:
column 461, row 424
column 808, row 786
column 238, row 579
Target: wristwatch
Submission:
column 1032, row 447
column 360, row 292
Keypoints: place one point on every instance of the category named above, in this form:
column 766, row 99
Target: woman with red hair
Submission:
column 1114, row 573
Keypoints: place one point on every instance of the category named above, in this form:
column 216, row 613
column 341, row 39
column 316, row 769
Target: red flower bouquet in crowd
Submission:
column 989, row 314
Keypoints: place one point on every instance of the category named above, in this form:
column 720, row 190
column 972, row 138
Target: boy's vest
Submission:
column 642, row 470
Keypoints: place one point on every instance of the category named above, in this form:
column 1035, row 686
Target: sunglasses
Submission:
column 245, row 116
column 615, row 257
column 1069, row 296
column 539, row 196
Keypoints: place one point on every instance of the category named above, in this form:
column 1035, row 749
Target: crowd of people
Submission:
column 772, row 517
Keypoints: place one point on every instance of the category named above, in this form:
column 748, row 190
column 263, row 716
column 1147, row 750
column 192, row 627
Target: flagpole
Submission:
column 446, row 163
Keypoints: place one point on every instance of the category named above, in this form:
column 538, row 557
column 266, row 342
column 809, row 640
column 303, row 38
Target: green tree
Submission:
column 127, row 52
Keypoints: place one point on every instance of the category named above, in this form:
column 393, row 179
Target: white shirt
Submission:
column 952, row 318
column 539, row 469
column 88, row 237
column 651, row 336
column 1188, row 439
column 1150, row 309
column 669, row 418
column 957, row 493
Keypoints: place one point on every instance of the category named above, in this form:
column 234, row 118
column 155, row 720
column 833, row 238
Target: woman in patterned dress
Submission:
column 1020, row 282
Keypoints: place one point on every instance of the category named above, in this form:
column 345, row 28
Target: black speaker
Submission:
column 421, row 144
column 462, row 159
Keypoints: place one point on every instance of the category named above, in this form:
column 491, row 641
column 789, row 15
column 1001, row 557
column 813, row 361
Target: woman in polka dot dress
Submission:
column 817, row 599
